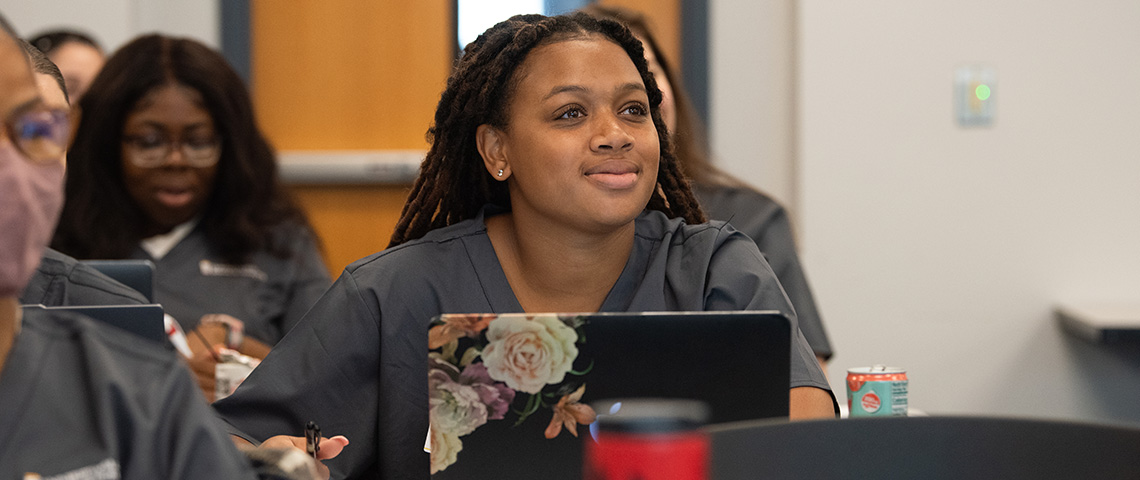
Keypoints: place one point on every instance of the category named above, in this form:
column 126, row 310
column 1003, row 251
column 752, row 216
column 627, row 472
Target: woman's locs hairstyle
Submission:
column 453, row 183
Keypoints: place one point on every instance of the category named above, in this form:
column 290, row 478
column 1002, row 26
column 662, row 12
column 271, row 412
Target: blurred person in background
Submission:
column 722, row 196
column 77, row 55
column 79, row 399
column 168, row 165
column 61, row 280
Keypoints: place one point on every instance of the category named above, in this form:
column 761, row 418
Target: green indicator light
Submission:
column 982, row 92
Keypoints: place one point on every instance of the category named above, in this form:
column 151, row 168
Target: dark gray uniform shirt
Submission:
column 269, row 293
column 766, row 222
column 85, row 401
column 61, row 281
column 357, row 362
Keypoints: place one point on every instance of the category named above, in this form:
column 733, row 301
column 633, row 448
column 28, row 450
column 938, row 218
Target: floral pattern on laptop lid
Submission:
column 510, row 368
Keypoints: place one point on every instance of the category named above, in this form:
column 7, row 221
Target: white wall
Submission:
column 751, row 81
column 942, row 249
column 115, row 22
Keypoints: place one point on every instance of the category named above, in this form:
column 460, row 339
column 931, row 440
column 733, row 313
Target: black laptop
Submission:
column 145, row 321
column 737, row 363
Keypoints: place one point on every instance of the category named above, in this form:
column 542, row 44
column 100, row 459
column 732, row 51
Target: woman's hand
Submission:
column 202, row 364
column 204, row 342
column 330, row 448
column 220, row 329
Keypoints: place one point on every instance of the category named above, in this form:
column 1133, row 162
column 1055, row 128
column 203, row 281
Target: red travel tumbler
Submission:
column 648, row 439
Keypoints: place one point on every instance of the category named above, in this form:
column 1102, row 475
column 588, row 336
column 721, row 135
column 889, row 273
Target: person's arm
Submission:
column 310, row 279
column 325, row 371
column 773, row 236
column 190, row 443
column 809, row 402
column 741, row 279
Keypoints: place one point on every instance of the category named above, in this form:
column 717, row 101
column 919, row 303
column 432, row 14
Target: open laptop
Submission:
column 737, row 363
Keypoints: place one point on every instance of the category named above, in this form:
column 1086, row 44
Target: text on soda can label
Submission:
column 877, row 391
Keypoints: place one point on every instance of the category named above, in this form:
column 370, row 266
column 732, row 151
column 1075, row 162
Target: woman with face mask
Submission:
column 61, row 280
column 79, row 399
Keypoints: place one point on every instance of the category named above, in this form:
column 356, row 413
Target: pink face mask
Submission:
column 31, row 195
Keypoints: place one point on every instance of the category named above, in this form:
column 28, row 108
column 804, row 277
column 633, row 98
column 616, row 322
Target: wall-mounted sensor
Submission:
column 974, row 87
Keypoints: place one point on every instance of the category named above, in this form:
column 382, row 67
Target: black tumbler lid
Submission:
column 650, row 415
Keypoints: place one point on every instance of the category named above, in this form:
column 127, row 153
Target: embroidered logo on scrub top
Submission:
column 106, row 470
column 211, row 269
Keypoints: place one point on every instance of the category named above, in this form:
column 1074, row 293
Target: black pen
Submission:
column 312, row 439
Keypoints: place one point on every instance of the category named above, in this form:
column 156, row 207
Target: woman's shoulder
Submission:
column 441, row 244
column 105, row 346
column 291, row 232
column 654, row 225
column 752, row 212
column 721, row 201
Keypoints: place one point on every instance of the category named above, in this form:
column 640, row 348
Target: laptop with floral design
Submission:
column 510, row 394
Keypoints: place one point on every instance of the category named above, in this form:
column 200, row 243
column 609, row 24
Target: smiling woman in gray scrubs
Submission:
column 550, row 187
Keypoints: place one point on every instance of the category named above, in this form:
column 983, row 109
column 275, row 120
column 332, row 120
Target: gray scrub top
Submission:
column 766, row 222
column 82, row 400
column 269, row 293
column 61, row 281
column 357, row 363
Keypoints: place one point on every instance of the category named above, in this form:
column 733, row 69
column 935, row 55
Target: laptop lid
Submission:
column 142, row 320
column 137, row 274
column 501, row 385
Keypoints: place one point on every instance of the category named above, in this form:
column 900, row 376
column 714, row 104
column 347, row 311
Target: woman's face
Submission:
column 80, row 63
column 173, row 191
column 668, row 105
column 580, row 146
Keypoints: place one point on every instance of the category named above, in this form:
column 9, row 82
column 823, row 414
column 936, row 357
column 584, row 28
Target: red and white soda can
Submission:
column 877, row 391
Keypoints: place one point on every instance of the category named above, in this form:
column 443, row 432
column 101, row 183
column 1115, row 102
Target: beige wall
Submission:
column 942, row 249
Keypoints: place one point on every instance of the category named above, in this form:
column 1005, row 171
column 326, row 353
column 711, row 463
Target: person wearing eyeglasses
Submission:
column 79, row 399
column 168, row 165
column 59, row 279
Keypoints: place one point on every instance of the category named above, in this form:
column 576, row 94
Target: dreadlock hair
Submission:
column 453, row 185
column 247, row 202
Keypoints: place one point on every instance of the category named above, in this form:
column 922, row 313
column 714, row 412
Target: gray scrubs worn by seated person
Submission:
column 269, row 294
column 82, row 400
column 766, row 222
column 60, row 280
column 356, row 364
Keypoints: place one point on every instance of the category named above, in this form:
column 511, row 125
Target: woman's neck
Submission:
column 9, row 327
column 557, row 269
